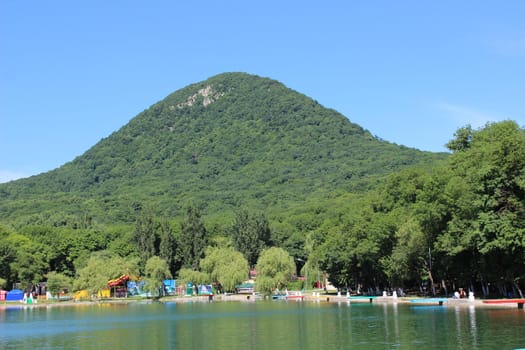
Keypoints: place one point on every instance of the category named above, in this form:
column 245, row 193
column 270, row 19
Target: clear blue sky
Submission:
column 411, row 72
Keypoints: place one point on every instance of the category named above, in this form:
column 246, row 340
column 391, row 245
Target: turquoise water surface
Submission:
column 260, row 325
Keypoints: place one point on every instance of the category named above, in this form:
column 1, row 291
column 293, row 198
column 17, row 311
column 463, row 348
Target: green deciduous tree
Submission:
column 275, row 269
column 57, row 281
column 187, row 275
column 490, row 226
column 351, row 250
column 409, row 260
column 31, row 263
column 157, row 270
column 7, row 254
column 225, row 266
column 102, row 267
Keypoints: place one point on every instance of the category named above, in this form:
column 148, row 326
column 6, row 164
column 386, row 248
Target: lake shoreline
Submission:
column 248, row 298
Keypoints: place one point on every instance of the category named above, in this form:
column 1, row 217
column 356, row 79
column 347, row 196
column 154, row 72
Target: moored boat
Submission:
column 429, row 301
column 288, row 295
column 294, row 295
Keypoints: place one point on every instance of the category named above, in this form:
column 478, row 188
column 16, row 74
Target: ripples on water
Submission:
column 260, row 325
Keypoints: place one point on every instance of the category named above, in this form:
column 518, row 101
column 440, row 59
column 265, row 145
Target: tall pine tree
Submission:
column 146, row 236
column 193, row 238
column 250, row 235
column 167, row 245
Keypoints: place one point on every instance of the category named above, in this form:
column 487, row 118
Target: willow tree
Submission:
column 225, row 266
column 275, row 269
column 102, row 267
column 156, row 271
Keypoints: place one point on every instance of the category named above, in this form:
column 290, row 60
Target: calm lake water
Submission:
column 261, row 325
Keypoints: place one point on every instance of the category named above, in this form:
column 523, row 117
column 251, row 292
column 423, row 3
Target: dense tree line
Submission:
column 153, row 250
column 463, row 225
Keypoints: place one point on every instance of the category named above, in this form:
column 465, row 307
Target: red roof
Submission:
column 118, row 281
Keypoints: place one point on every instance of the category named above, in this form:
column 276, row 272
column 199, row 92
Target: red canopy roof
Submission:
column 118, row 281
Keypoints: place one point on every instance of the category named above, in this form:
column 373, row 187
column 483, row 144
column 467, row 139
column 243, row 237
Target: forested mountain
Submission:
column 234, row 140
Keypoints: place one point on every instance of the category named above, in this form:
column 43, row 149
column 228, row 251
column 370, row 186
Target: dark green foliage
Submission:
column 30, row 264
column 250, row 235
column 193, row 238
column 488, row 225
column 146, row 236
column 168, row 246
column 463, row 225
column 7, row 253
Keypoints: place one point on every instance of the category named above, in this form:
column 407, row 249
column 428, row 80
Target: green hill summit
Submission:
column 232, row 140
